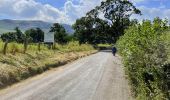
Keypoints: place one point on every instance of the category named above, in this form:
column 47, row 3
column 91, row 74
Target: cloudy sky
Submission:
column 67, row 11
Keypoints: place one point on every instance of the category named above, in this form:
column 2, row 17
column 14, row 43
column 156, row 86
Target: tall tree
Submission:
column 60, row 35
column 92, row 30
column 117, row 14
column 83, row 29
column 36, row 35
column 39, row 35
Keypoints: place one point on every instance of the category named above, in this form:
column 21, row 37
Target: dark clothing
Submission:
column 114, row 50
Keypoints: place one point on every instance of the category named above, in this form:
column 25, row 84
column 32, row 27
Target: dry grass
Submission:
column 14, row 68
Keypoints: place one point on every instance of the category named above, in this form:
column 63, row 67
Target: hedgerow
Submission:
column 144, row 50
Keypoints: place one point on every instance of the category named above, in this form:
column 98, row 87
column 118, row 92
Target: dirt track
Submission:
column 97, row 77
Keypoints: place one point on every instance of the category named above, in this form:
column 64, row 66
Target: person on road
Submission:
column 114, row 50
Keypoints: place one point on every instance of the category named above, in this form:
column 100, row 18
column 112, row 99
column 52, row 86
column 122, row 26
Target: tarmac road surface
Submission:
column 96, row 77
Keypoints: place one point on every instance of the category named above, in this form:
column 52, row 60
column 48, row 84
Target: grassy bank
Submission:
column 19, row 66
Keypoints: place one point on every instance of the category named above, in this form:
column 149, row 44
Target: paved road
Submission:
column 96, row 77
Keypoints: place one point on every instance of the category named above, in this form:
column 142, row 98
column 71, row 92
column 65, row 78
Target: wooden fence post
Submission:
column 39, row 46
column 25, row 45
column 5, row 47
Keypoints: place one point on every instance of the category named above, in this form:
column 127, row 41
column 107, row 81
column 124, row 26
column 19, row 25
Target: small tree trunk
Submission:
column 49, row 46
column 53, row 46
column 5, row 48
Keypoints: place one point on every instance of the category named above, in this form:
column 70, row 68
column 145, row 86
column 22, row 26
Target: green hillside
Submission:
column 5, row 30
column 7, row 25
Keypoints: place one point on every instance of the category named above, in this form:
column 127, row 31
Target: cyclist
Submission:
column 114, row 50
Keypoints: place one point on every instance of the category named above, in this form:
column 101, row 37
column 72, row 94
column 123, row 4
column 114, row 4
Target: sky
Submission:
column 67, row 11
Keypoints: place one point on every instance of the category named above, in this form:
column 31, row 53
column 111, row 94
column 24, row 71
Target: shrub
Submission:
column 144, row 53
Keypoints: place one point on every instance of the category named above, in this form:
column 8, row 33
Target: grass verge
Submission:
column 14, row 68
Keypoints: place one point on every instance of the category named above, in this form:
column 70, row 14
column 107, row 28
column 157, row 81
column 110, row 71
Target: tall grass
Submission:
column 15, row 67
column 73, row 46
column 15, row 47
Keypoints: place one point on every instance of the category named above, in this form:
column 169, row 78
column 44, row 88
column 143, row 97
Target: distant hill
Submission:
column 8, row 25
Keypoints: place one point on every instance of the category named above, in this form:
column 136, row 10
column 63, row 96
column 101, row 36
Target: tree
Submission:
column 10, row 37
column 134, row 22
column 16, row 36
column 102, row 31
column 39, row 35
column 31, row 34
column 20, row 35
column 36, row 35
column 117, row 14
column 159, row 24
column 70, row 37
column 83, row 29
column 144, row 56
column 60, row 35
column 92, row 30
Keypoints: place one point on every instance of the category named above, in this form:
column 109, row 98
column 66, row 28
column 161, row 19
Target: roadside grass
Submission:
column 19, row 66
column 15, row 47
column 104, row 45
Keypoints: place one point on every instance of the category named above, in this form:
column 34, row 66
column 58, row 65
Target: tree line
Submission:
column 91, row 28
column 36, row 35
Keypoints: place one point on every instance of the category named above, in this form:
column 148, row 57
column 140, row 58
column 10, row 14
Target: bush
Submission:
column 144, row 53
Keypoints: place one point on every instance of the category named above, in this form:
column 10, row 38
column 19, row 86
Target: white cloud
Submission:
column 151, row 13
column 78, row 10
column 33, row 10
